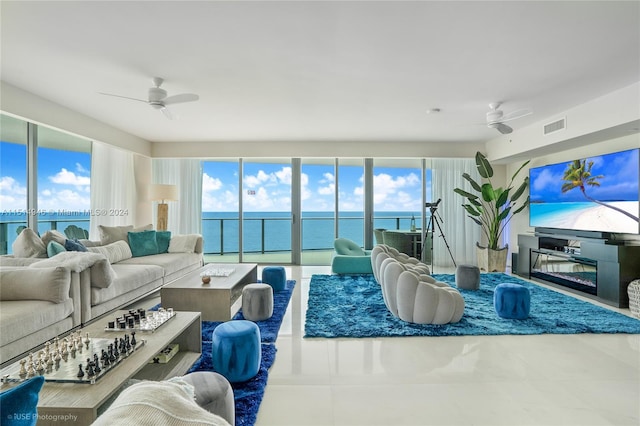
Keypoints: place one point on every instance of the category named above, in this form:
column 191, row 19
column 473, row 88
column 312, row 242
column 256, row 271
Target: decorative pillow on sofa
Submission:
column 102, row 274
column 183, row 243
column 111, row 234
column 114, row 252
column 74, row 245
column 143, row 243
column 163, row 238
column 54, row 248
column 29, row 244
column 19, row 404
column 53, row 235
column 50, row 284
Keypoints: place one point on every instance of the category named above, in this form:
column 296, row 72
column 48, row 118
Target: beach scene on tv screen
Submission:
column 593, row 194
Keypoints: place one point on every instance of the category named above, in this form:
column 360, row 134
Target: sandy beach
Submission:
column 601, row 218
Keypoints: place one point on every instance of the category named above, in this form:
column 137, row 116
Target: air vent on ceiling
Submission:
column 556, row 126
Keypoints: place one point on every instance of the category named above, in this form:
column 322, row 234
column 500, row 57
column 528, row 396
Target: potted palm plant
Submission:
column 492, row 208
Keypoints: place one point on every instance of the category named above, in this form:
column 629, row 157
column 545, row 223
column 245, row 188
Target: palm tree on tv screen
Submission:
column 578, row 175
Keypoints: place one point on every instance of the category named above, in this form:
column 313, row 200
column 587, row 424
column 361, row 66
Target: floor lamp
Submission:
column 163, row 193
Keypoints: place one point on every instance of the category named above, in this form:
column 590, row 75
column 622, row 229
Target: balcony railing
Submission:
column 261, row 235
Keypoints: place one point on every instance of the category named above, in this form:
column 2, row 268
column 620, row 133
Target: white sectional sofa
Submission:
column 104, row 278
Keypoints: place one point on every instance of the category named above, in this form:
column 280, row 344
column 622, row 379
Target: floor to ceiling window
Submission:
column 266, row 210
column 13, row 180
column 64, row 183
column 350, row 187
column 44, row 180
column 250, row 206
column 318, row 210
column 397, row 193
column 221, row 208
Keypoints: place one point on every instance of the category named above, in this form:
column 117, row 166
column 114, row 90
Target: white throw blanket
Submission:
column 158, row 403
column 102, row 274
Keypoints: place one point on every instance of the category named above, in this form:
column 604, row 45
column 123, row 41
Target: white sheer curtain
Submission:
column 184, row 214
column 461, row 233
column 113, row 188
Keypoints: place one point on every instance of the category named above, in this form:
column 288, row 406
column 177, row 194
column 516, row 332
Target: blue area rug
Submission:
column 352, row 306
column 248, row 395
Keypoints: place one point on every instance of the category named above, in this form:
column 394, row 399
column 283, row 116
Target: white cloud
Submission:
column 284, row 175
column 65, row 177
column 210, row 184
column 65, row 199
column 544, row 179
column 252, row 181
column 13, row 196
column 81, row 169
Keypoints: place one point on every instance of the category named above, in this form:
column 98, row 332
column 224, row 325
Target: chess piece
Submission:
column 87, row 341
column 133, row 339
column 31, row 371
column 89, row 368
column 80, row 374
column 23, row 371
column 96, row 362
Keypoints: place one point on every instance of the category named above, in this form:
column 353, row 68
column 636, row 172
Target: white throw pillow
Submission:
column 111, row 234
column 114, row 252
column 53, row 235
column 50, row 284
column 183, row 243
column 29, row 244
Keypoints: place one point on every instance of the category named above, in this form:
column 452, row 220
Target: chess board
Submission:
column 79, row 355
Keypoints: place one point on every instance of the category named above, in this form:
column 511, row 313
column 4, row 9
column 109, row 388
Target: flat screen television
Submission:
column 597, row 193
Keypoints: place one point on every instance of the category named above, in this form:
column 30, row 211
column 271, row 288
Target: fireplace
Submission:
column 565, row 268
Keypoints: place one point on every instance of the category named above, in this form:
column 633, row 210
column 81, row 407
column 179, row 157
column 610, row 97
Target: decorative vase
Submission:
column 490, row 260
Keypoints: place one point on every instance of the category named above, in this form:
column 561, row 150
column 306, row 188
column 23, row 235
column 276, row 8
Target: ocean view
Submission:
column 268, row 231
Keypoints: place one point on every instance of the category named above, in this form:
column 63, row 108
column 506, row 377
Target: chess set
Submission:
column 141, row 320
column 74, row 359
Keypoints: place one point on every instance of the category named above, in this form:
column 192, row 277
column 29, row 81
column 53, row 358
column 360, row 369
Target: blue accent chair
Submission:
column 350, row 258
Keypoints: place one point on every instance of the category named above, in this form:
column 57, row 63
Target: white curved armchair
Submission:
column 410, row 293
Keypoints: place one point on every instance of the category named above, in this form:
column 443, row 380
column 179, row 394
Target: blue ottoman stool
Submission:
column 511, row 301
column 236, row 350
column 275, row 277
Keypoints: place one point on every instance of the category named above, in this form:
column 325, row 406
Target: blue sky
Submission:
column 64, row 184
column 63, row 178
column 620, row 181
column 267, row 187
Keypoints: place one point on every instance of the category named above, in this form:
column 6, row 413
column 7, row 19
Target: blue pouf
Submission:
column 511, row 301
column 275, row 277
column 236, row 350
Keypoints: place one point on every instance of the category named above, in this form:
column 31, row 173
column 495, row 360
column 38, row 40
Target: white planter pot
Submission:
column 490, row 260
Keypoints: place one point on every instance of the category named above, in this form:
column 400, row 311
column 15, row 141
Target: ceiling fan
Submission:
column 496, row 118
column 158, row 98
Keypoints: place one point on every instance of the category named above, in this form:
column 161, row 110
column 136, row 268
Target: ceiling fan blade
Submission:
column 166, row 112
column 503, row 128
column 513, row 115
column 184, row 97
column 123, row 97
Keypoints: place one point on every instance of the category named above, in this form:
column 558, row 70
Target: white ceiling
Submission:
column 323, row 70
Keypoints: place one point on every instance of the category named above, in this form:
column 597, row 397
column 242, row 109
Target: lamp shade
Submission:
column 163, row 193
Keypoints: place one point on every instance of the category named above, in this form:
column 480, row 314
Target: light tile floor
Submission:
column 483, row 380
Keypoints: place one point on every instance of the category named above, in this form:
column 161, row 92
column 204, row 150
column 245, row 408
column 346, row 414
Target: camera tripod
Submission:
column 434, row 222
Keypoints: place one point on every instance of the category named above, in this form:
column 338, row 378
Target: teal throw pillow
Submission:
column 163, row 238
column 54, row 248
column 74, row 245
column 143, row 243
column 18, row 405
